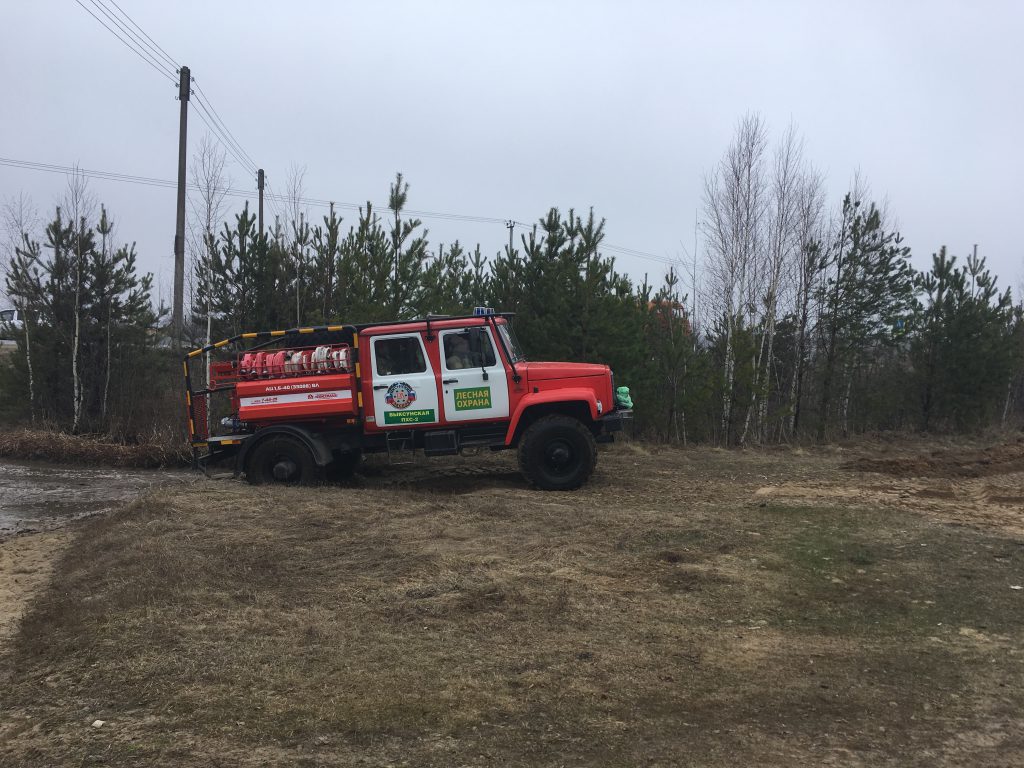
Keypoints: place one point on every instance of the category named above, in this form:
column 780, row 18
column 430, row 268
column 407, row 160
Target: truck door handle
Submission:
column 450, row 381
column 380, row 386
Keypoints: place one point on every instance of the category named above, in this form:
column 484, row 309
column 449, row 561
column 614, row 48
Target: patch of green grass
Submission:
column 851, row 573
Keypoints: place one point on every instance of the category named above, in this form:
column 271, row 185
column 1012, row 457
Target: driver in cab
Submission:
column 457, row 353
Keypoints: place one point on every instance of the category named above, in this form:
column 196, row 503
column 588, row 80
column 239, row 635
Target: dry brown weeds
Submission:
column 449, row 615
column 98, row 450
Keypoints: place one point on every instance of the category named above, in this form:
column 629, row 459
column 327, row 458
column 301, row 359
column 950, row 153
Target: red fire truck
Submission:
column 306, row 403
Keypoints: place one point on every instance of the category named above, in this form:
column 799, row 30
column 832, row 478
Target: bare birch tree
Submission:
column 811, row 237
column 298, row 247
column 734, row 207
column 780, row 238
column 207, row 208
column 80, row 205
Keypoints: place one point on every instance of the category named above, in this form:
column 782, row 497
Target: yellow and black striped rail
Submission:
column 259, row 335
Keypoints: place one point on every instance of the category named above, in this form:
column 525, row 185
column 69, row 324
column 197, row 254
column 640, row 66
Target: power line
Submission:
column 136, row 40
column 130, row 47
column 107, row 175
column 270, row 196
column 111, row 176
column 206, row 100
column 207, row 118
column 151, row 52
column 154, row 42
column 641, row 254
column 274, row 198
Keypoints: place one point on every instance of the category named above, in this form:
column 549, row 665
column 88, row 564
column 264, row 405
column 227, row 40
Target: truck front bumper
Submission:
column 612, row 423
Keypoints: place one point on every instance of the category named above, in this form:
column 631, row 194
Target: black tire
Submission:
column 557, row 453
column 282, row 460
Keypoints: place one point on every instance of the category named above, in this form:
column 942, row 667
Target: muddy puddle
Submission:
column 36, row 496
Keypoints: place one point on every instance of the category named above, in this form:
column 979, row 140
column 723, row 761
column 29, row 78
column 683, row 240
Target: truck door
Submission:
column 404, row 384
column 474, row 383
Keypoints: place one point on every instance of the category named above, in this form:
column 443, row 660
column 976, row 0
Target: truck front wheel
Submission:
column 557, row 453
column 282, row 460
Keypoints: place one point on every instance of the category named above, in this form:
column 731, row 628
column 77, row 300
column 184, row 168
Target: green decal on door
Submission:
column 409, row 417
column 472, row 399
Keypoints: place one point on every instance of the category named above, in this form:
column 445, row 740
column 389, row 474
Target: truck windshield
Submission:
column 7, row 315
column 511, row 343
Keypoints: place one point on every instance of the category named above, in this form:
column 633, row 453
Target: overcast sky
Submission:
column 504, row 110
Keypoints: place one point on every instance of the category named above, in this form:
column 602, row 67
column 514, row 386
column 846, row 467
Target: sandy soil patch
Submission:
column 26, row 565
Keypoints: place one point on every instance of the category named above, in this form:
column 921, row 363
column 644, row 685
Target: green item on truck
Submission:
column 622, row 397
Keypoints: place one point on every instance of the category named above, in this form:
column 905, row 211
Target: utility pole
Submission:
column 511, row 226
column 184, row 87
column 259, row 185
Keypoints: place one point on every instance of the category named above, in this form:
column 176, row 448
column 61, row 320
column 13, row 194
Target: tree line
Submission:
column 818, row 325
column 88, row 343
column 804, row 321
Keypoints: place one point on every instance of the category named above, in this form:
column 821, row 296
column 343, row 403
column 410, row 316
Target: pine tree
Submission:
column 867, row 292
column 407, row 254
column 670, row 344
column 964, row 355
column 330, row 281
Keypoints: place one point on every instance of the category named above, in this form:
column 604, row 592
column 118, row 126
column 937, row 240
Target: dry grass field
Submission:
column 688, row 607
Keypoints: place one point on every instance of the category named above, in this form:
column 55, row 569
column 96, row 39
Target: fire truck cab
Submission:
column 306, row 403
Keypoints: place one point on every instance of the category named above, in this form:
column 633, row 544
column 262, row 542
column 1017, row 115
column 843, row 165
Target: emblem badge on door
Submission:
column 400, row 395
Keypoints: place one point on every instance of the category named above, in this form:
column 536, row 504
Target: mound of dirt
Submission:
column 996, row 460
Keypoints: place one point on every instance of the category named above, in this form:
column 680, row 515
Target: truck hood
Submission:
column 542, row 371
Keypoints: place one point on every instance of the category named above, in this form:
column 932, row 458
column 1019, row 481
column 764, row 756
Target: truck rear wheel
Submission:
column 282, row 460
column 557, row 453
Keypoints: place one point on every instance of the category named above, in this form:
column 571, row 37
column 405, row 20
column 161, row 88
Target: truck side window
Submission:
column 459, row 352
column 399, row 356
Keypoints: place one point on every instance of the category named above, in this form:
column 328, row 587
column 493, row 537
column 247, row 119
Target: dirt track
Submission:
column 26, row 565
column 946, row 463
column 982, row 487
column 688, row 607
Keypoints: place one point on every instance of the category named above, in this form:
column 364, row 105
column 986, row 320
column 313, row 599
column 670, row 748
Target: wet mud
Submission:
column 36, row 496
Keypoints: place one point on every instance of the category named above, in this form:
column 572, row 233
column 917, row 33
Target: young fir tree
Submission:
column 445, row 284
column 408, row 252
column 964, row 355
column 367, row 264
column 253, row 286
column 671, row 349
column 330, row 283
